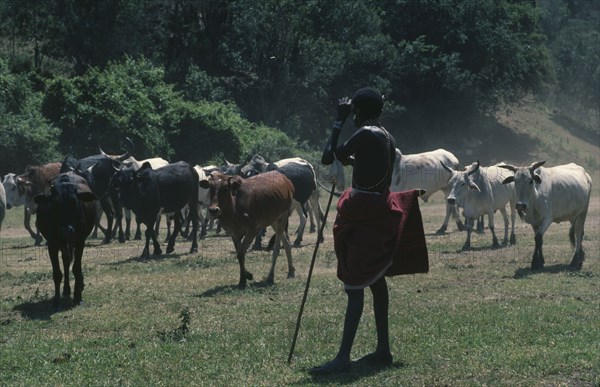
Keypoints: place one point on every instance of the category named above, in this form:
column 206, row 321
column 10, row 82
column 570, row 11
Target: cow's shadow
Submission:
column 228, row 289
column 138, row 259
column 41, row 309
column 553, row 269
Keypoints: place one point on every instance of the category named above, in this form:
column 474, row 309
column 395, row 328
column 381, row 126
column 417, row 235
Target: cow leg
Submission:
column 176, row 229
column 194, row 214
column 258, row 239
column 576, row 237
column 27, row 224
column 281, row 236
column 480, row 225
column 300, row 231
column 138, row 231
column 537, row 262
column 119, row 217
column 469, row 225
column 513, row 215
column 506, row 222
column 459, row 224
column 78, row 273
column 311, row 216
column 108, row 211
column 97, row 225
column 241, row 247
column 444, row 227
column 495, row 243
column 67, row 254
column 316, row 206
column 56, row 273
column 202, row 222
column 127, row 215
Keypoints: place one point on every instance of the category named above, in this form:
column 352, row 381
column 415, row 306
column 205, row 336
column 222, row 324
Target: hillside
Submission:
column 519, row 135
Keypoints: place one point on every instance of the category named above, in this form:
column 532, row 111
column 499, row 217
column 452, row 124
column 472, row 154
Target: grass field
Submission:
column 477, row 318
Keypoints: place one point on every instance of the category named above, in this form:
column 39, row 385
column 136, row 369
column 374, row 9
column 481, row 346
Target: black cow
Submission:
column 98, row 171
column 147, row 191
column 65, row 216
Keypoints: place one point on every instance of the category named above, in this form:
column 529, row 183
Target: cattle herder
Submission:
column 377, row 233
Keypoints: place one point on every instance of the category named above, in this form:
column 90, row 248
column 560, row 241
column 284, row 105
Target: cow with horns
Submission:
column 480, row 191
column 552, row 195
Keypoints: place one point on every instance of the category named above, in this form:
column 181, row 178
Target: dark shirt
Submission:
column 369, row 152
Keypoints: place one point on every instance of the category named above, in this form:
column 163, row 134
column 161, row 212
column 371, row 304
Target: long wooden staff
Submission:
column 312, row 265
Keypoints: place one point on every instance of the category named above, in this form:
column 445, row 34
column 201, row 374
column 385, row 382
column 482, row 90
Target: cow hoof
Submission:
column 461, row 227
column 297, row 243
column 292, row 274
column 194, row 250
column 441, row 231
column 466, row 247
column 270, row 281
column 242, row 285
column 248, row 276
column 170, row 249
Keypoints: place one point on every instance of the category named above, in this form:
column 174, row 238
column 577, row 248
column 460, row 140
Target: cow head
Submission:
column 461, row 183
column 223, row 190
column 15, row 196
column 62, row 202
column 527, row 180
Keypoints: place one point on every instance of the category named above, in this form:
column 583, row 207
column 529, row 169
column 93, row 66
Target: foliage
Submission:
column 27, row 138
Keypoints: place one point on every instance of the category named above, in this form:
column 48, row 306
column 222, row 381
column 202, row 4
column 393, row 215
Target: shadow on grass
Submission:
column 561, row 268
column 41, row 309
column 144, row 260
column 227, row 289
column 357, row 372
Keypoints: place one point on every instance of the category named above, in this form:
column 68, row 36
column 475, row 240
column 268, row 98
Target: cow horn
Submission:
column 475, row 169
column 509, row 167
column 447, row 168
column 535, row 166
column 130, row 148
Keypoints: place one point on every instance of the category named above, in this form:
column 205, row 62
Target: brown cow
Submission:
column 33, row 182
column 245, row 206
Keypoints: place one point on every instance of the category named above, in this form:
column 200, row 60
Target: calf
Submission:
column 547, row 195
column 149, row 191
column 244, row 206
column 66, row 214
column 480, row 191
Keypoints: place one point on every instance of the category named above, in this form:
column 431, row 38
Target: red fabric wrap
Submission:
column 370, row 230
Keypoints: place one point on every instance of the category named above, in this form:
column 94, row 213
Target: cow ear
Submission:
column 204, row 184
column 41, row 198
column 537, row 179
column 146, row 165
column 86, row 196
column 235, row 184
column 508, row 180
column 474, row 186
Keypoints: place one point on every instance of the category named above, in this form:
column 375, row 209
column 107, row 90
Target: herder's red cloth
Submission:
column 375, row 232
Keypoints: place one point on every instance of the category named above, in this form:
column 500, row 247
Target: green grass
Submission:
column 477, row 318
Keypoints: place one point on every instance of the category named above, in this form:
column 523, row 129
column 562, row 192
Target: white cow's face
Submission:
column 461, row 184
column 525, row 188
column 14, row 197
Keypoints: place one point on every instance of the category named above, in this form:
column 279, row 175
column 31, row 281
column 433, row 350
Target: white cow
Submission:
column 479, row 191
column 547, row 195
column 425, row 171
column 15, row 197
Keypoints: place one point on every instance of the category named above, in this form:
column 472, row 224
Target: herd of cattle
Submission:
column 69, row 198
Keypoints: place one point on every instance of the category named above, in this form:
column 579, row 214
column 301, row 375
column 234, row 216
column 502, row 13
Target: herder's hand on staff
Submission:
column 344, row 109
